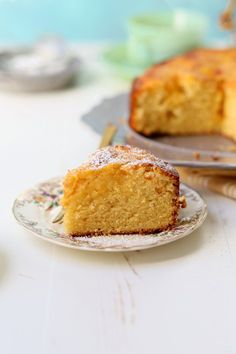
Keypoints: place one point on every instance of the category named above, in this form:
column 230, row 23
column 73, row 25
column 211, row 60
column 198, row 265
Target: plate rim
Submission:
column 186, row 163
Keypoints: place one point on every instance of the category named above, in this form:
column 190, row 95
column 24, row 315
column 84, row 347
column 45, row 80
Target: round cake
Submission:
column 194, row 93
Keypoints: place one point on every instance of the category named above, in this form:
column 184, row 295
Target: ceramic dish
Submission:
column 153, row 38
column 160, row 35
column 117, row 60
column 36, row 208
column 214, row 152
column 47, row 65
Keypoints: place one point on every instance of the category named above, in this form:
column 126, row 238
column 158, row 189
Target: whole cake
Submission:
column 191, row 94
column 120, row 190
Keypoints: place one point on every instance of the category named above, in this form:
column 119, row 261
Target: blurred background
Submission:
column 23, row 21
column 132, row 36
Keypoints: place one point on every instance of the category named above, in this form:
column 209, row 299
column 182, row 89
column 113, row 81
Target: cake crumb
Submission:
column 182, row 202
column 215, row 157
column 197, row 155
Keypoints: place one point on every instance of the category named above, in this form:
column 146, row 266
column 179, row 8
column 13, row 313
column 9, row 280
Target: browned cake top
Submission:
column 127, row 155
column 204, row 64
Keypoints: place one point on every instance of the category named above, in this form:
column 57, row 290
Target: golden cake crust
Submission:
column 203, row 64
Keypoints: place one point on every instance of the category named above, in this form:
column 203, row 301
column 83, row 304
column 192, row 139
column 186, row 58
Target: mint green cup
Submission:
column 158, row 36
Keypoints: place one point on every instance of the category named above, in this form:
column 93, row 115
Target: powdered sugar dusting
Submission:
column 126, row 155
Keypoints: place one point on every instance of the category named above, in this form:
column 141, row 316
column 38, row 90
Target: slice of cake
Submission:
column 120, row 190
column 191, row 94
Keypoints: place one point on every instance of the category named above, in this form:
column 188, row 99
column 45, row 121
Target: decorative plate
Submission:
column 37, row 207
column 202, row 151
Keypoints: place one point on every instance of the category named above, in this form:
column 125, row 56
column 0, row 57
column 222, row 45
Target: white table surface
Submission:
column 175, row 299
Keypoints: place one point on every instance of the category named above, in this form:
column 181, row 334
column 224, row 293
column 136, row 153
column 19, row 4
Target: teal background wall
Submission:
column 25, row 20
